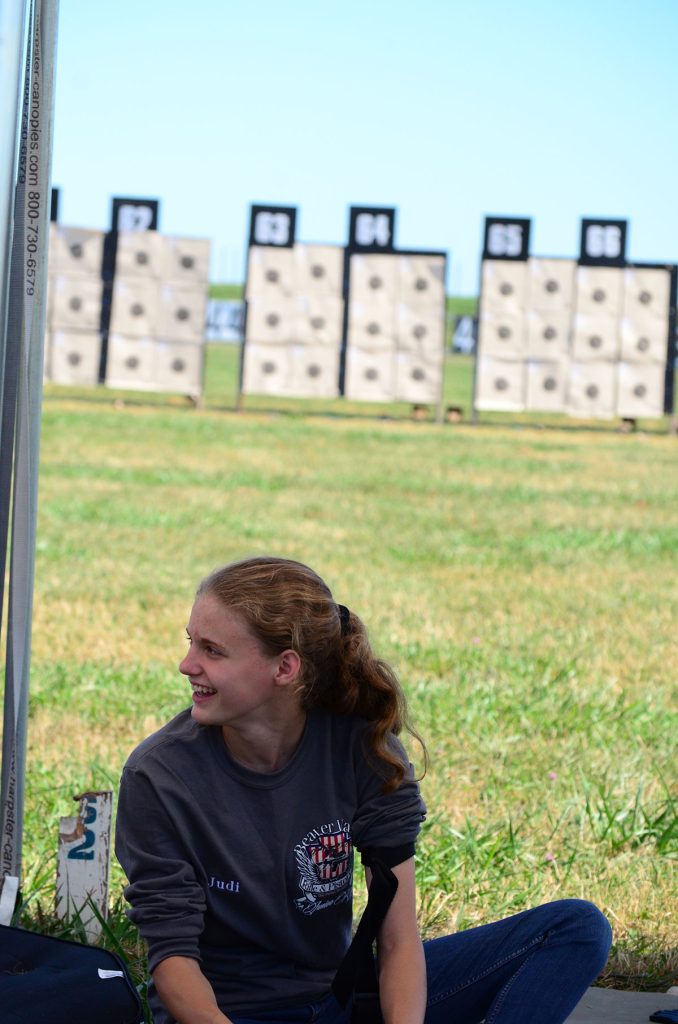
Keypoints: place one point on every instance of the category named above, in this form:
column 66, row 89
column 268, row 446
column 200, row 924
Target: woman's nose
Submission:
column 186, row 663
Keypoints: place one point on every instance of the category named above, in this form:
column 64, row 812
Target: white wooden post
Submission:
column 83, row 862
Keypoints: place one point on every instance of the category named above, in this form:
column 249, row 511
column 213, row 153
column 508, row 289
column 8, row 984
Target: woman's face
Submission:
column 233, row 681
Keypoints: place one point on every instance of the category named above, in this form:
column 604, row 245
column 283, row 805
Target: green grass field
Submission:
column 521, row 574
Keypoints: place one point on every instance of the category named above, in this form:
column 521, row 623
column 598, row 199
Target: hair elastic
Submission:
column 343, row 616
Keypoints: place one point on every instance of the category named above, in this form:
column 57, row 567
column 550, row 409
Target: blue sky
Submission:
column 446, row 110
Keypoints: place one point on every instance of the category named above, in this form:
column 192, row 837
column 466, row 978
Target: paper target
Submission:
column 504, row 286
column 419, row 329
column 647, row 292
column 130, row 363
column 395, row 334
column 546, row 385
column 645, row 324
column 140, row 254
column 75, row 251
column 502, row 334
column 178, row 367
column 595, row 338
column 271, row 321
column 500, row 384
column 186, row 261
column 548, row 334
column 267, row 369
column 640, row 390
column 583, row 331
column 314, row 371
column 591, row 390
column 374, row 280
column 644, row 342
column 550, row 284
column 418, row 377
column 75, row 302
column 135, row 307
column 598, row 291
column 270, row 273
column 319, row 320
column 181, row 313
column 74, row 357
column 371, row 326
column 318, row 270
column 370, row 375
column 421, row 280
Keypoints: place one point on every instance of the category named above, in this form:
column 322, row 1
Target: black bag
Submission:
column 44, row 980
column 356, row 977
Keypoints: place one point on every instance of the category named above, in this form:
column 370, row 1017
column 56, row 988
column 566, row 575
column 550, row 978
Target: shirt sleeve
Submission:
column 167, row 901
column 387, row 820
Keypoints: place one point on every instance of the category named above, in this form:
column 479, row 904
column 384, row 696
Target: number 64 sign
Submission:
column 83, row 862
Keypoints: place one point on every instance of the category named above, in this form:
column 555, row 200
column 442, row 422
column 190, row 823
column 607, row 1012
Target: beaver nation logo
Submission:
column 325, row 864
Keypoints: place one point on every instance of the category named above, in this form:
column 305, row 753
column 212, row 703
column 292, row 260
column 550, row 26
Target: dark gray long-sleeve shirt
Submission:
column 252, row 873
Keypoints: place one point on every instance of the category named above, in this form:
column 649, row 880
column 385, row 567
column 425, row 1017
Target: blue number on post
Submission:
column 82, row 851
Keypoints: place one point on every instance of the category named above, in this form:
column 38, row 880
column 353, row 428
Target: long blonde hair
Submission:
column 288, row 606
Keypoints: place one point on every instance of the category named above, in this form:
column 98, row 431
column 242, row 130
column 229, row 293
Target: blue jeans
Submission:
column 532, row 968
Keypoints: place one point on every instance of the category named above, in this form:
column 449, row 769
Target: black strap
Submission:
column 356, row 975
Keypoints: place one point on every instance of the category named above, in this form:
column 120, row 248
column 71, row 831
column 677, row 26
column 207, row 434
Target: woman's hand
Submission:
column 186, row 993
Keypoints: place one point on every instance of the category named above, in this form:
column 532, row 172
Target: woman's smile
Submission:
column 201, row 693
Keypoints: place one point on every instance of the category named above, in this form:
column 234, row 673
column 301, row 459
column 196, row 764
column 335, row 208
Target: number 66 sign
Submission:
column 83, row 862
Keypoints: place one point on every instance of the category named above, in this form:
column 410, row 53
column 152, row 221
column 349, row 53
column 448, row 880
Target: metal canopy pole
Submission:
column 22, row 325
column 12, row 56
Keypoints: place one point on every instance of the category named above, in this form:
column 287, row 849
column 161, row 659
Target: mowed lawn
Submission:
column 521, row 574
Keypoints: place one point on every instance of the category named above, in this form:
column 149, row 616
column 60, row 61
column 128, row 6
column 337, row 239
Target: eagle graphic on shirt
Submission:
column 325, row 865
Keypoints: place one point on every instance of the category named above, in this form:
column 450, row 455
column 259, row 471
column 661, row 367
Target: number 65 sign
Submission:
column 506, row 238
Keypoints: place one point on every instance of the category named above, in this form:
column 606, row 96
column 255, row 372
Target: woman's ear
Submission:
column 289, row 665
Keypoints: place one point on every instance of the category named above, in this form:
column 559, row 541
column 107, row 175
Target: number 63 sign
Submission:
column 273, row 225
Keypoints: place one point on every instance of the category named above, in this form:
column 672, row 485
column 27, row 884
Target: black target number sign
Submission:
column 273, row 225
column 603, row 243
column 134, row 214
column 371, row 228
column 506, row 238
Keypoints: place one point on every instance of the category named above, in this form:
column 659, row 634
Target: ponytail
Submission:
column 368, row 687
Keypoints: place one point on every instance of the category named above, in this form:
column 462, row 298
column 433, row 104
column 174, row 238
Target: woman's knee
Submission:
column 586, row 925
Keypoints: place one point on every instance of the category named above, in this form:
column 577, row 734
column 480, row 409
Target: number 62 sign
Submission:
column 129, row 214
